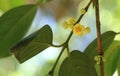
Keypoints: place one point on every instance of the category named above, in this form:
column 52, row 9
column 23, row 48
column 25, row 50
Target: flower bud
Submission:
column 87, row 30
column 82, row 11
column 71, row 21
column 65, row 25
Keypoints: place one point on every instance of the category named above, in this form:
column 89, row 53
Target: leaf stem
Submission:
column 99, row 41
column 65, row 44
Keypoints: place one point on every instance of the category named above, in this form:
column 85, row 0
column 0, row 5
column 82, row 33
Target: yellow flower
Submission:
column 65, row 25
column 78, row 29
column 82, row 11
column 71, row 21
column 87, row 30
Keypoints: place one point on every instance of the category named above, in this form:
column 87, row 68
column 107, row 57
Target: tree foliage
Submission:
column 14, row 25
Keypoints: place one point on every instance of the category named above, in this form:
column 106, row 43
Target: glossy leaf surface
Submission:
column 77, row 64
column 33, row 44
column 111, row 58
column 13, row 26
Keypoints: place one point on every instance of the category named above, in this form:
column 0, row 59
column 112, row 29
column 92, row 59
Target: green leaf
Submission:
column 118, row 66
column 111, row 56
column 24, row 42
column 33, row 44
column 77, row 64
column 7, row 4
column 13, row 26
column 107, row 39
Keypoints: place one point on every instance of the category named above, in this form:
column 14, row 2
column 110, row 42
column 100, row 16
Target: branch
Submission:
column 99, row 41
column 65, row 44
column 52, row 71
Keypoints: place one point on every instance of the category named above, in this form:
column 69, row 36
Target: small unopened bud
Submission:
column 87, row 30
column 71, row 21
column 82, row 11
column 65, row 25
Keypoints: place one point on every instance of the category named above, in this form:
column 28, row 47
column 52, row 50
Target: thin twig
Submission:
column 65, row 44
column 52, row 71
column 99, row 41
column 71, row 33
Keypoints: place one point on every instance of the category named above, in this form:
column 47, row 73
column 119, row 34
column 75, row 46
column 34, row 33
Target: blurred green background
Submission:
column 54, row 12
